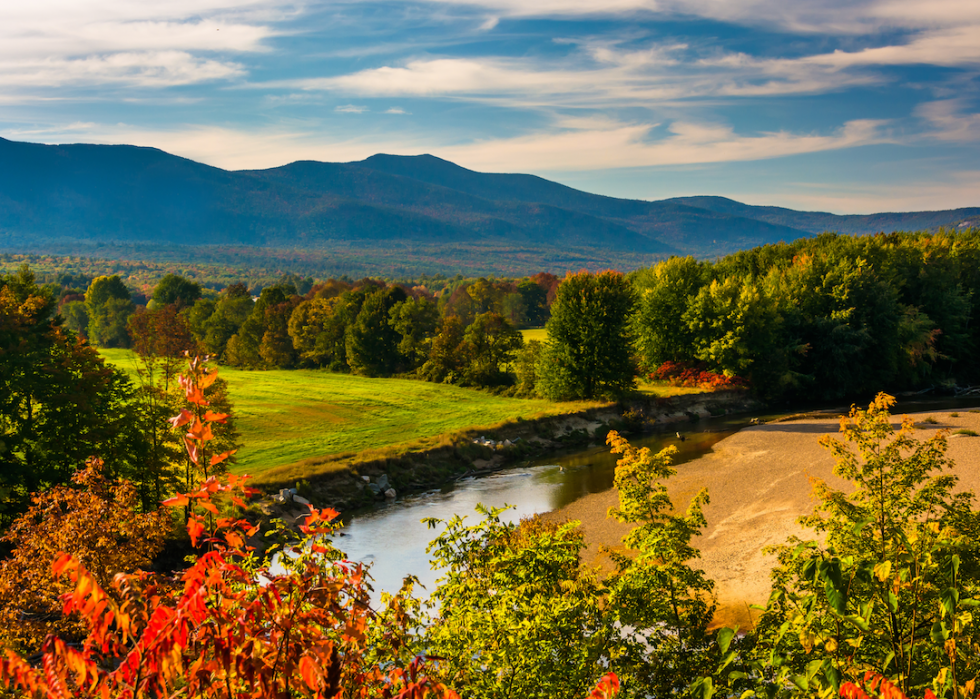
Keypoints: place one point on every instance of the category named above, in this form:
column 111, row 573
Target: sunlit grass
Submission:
column 539, row 334
column 286, row 416
column 663, row 389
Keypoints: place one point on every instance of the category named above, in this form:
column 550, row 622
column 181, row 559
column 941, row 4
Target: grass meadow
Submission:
column 539, row 334
column 288, row 416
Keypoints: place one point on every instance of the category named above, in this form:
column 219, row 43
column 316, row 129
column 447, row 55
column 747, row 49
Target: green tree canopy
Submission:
column 372, row 342
column 176, row 290
column 892, row 585
column 59, row 403
column 104, row 288
column 491, row 341
column 589, row 338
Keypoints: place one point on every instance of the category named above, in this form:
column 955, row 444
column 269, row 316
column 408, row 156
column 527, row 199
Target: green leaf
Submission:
column 950, row 597
column 725, row 637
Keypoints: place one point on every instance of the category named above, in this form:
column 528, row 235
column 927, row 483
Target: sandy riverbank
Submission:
column 759, row 482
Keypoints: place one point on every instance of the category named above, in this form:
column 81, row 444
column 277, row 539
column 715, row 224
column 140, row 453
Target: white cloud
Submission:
column 948, row 122
column 350, row 109
column 628, row 145
column 948, row 47
column 52, row 43
column 60, row 39
column 146, row 69
column 613, row 78
column 395, row 110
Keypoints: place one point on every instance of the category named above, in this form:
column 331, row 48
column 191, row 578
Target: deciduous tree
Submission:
column 588, row 352
column 891, row 587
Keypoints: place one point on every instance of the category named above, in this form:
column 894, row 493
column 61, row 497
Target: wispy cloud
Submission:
column 949, row 120
column 395, row 110
column 629, row 145
column 54, row 43
column 146, row 69
column 837, row 16
column 351, row 109
column 606, row 77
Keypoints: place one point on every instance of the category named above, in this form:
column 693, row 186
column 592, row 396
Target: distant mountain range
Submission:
column 105, row 195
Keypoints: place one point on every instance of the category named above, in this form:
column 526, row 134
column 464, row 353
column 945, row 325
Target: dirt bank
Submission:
column 759, row 481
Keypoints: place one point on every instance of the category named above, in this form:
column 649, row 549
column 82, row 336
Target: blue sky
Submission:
column 850, row 107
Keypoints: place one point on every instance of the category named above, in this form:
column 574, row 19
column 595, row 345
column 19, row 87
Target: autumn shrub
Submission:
column 95, row 519
column 231, row 626
column 696, row 375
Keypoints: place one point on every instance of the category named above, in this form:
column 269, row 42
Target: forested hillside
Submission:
column 124, row 202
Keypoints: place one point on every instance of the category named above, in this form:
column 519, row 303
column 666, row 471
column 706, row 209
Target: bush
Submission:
column 697, row 375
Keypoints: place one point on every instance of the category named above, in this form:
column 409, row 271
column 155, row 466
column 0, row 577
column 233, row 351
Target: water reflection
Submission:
column 393, row 540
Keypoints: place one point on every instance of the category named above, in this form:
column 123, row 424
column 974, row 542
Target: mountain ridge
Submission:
column 107, row 194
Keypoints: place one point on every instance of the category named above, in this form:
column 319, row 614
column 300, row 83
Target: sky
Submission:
column 853, row 106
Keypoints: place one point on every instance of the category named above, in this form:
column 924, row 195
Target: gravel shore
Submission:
column 760, row 483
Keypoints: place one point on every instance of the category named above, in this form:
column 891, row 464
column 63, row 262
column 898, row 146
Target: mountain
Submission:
column 113, row 195
column 818, row 222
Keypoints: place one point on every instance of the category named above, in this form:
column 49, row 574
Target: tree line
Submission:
column 828, row 317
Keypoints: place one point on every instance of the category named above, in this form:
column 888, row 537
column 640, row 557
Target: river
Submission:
column 392, row 539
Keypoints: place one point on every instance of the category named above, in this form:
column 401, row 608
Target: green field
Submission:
column 539, row 334
column 286, row 416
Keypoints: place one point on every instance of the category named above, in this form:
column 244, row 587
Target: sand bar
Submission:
column 760, row 482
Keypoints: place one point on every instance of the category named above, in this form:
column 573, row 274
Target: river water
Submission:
column 392, row 539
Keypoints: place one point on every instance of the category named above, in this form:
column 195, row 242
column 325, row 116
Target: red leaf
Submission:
column 191, row 448
column 63, row 563
column 310, row 672
column 183, row 418
column 195, row 529
column 218, row 458
column 179, row 500
column 607, row 687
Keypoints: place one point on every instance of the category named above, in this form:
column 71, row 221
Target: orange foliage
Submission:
column 879, row 688
column 96, row 520
column 230, row 628
column 696, row 376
